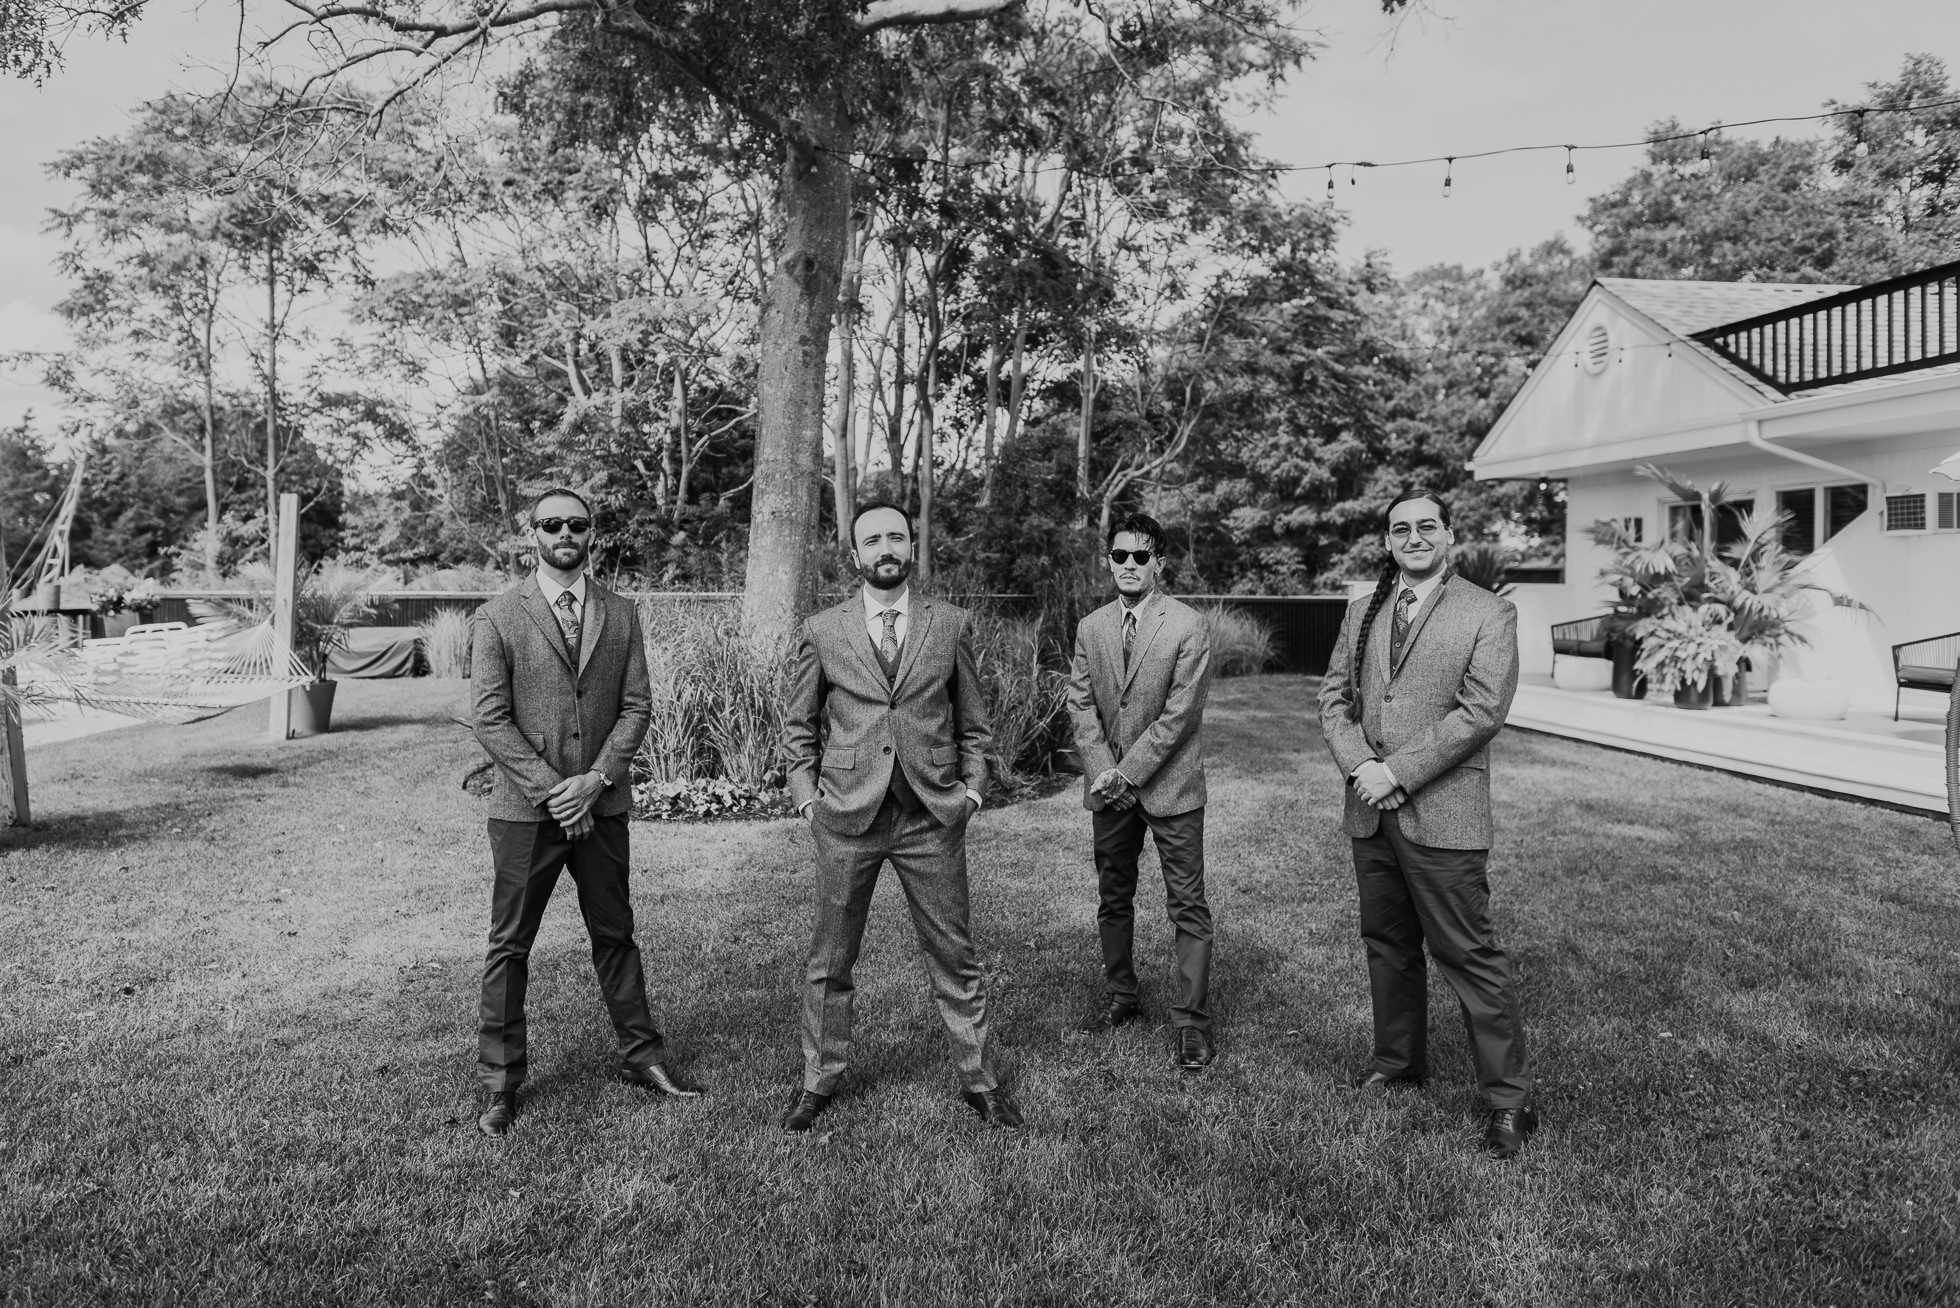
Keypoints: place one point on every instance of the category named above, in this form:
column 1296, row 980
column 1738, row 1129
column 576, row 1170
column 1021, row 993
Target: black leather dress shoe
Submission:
column 1508, row 1129
column 658, row 1079
column 497, row 1118
column 805, row 1106
column 1377, row 1083
column 1116, row 1012
column 995, row 1107
column 1192, row 1050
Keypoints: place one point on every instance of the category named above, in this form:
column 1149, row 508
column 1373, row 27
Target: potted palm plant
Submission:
column 1645, row 584
column 332, row 597
column 1766, row 593
column 1685, row 649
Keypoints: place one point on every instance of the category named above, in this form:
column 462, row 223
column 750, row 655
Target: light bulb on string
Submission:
column 1707, row 161
column 1863, row 149
column 1449, row 174
column 1330, row 181
column 1571, row 176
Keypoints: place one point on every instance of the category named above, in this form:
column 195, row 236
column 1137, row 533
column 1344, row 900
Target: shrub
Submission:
column 1025, row 696
column 1241, row 645
column 444, row 639
column 1485, row 564
column 717, row 701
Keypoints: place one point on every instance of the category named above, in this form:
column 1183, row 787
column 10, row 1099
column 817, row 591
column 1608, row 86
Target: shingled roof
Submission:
column 1684, row 308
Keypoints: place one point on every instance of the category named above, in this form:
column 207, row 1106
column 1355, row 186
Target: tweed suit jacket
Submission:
column 1146, row 723
column 1431, row 716
column 846, row 727
column 542, row 720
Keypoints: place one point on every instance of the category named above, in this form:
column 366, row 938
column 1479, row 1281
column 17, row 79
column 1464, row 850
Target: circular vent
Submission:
column 1597, row 350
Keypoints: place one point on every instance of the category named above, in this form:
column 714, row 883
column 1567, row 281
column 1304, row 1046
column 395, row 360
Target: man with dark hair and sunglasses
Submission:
column 559, row 677
column 1136, row 701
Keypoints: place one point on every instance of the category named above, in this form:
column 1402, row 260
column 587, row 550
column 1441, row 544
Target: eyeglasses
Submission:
column 1431, row 528
column 550, row 526
column 1124, row 556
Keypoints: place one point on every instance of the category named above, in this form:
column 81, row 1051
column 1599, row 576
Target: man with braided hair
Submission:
column 1420, row 682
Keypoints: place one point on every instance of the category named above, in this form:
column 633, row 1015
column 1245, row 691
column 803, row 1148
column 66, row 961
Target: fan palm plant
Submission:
column 332, row 598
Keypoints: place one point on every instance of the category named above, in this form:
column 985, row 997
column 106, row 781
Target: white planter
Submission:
column 1570, row 672
column 1808, row 701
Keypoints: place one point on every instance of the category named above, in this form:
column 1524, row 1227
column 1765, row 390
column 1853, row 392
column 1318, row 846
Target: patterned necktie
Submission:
column 1403, row 603
column 888, row 647
column 1129, row 635
column 568, row 622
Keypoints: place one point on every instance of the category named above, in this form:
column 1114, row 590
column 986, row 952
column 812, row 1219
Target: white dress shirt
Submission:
column 875, row 624
column 551, row 590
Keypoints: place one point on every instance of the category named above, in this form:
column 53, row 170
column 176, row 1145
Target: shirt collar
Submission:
column 903, row 604
column 551, row 590
column 1424, row 589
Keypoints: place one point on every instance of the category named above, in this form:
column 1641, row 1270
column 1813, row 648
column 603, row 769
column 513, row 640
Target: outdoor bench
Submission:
column 1925, row 665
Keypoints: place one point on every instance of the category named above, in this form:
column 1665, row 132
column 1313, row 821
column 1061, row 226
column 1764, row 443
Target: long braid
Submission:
column 1383, row 589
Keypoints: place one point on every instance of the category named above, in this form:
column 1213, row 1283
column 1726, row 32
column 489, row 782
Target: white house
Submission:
column 1832, row 403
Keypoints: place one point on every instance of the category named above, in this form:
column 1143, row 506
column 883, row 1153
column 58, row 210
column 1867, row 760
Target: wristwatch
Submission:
column 604, row 780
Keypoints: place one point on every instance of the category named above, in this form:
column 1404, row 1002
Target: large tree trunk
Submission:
column 1085, row 425
column 815, row 199
column 210, row 455
column 271, row 391
column 843, row 438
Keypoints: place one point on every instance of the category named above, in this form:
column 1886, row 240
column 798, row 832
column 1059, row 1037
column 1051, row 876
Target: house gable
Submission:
column 1614, row 374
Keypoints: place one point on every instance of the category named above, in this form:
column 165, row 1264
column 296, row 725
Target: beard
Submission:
column 563, row 555
column 887, row 572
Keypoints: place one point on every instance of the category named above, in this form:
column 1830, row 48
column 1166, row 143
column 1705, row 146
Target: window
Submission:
column 1842, row 505
column 1684, row 520
column 1635, row 528
column 1905, row 512
column 1800, row 529
column 1949, row 514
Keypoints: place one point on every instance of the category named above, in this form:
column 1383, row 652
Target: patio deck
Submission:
column 1865, row 756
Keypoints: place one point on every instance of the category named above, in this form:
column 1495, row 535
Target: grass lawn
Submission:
column 236, row 1052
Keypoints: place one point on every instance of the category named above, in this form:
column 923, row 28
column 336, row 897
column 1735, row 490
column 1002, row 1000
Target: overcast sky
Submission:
column 1466, row 75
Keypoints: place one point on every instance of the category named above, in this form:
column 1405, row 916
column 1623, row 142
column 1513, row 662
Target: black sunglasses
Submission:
column 1124, row 556
column 550, row 526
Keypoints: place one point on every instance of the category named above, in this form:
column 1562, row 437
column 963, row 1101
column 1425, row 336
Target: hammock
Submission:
column 168, row 672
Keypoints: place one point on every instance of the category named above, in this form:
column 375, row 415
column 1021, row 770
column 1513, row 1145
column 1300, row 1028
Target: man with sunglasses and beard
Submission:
column 886, row 737
column 1136, row 701
column 559, row 678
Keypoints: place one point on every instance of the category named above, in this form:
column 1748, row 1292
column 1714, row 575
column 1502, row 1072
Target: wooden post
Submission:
column 13, row 759
column 285, row 589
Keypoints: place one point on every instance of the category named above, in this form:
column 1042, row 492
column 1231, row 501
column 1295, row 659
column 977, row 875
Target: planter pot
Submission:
column 1733, row 691
column 1581, row 674
column 1808, row 701
column 116, row 625
column 309, row 709
column 1627, row 684
column 1699, row 695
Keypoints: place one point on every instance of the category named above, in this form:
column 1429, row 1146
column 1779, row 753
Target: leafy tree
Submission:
column 30, row 485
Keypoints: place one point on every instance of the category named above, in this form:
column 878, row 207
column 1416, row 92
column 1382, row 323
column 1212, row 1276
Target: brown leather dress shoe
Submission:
column 497, row 1118
column 1192, row 1051
column 655, row 1077
column 805, row 1106
column 1377, row 1083
column 995, row 1106
column 1508, row 1129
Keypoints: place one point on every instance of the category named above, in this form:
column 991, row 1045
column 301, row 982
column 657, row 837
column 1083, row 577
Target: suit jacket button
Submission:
column 1388, row 699
column 888, row 749
column 575, row 735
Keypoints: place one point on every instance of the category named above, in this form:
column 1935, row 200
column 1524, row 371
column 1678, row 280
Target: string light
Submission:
column 1571, row 175
column 1707, row 160
column 1449, row 173
column 1862, row 149
column 1330, row 181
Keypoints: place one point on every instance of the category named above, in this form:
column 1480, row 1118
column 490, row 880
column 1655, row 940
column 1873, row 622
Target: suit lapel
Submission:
column 1436, row 601
column 595, row 623
column 856, row 615
column 1106, row 642
column 541, row 614
column 917, row 624
column 1150, row 619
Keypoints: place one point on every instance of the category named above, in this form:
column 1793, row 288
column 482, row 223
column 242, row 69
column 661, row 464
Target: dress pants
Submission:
column 1412, row 894
column 1181, row 852
column 930, row 860
column 528, row 857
